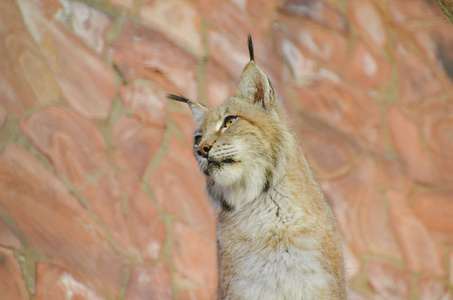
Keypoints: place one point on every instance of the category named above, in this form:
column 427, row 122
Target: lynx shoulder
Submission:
column 277, row 237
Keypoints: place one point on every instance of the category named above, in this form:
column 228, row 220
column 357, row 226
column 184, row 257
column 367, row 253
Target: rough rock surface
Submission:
column 100, row 197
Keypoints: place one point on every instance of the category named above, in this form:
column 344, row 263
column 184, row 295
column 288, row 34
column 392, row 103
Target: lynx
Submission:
column 277, row 237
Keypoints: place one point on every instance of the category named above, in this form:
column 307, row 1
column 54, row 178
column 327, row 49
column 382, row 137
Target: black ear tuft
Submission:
column 252, row 55
column 177, row 98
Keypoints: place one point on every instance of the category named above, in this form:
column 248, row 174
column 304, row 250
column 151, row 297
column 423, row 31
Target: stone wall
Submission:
column 100, row 197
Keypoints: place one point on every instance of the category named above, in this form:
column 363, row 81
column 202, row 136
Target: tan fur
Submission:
column 277, row 237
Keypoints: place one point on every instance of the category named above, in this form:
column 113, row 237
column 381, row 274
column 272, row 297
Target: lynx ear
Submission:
column 254, row 85
column 198, row 110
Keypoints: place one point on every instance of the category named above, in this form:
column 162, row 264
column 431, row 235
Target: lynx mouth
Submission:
column 218, row 164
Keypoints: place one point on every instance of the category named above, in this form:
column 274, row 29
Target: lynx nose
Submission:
column 203, row 150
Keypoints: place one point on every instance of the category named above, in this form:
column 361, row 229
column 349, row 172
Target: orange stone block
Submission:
column 178, row 188
column 12, row 285
column 358, row 205
column 408, row 144
column 387, row 281
column 54, row 283
column 420, row 251
column 150, row 282
column 140, row 51
column 55, row 224
column 194, row 258
column 433, row 288
column 435, row 210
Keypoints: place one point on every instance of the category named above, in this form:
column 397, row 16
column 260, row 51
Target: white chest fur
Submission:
column 296, row 274
column 269, row 252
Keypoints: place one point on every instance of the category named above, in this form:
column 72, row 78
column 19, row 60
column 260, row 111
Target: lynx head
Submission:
column 240, row 144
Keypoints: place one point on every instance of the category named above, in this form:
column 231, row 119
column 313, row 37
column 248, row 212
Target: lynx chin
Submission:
column 277, row 237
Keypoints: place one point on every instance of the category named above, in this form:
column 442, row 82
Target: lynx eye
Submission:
column 229, row 121
column 197, row 139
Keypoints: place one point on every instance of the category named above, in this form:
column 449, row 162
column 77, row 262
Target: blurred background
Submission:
column 100, row 197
